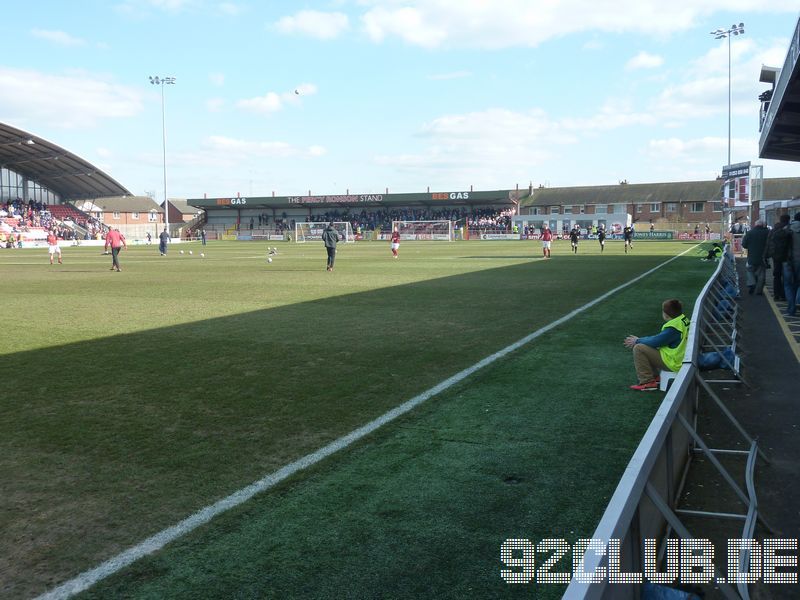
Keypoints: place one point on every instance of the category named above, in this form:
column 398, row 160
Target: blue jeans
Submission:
column 791, row 285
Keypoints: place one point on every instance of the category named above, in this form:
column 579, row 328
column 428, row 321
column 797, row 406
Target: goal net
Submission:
column 424, row 230
column 312, row 232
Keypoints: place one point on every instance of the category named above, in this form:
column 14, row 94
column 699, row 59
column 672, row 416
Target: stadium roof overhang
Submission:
column 433, row 200
column 780, row 122
column 51, row 166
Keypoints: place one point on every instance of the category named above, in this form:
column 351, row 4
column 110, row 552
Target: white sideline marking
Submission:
column 204, row 515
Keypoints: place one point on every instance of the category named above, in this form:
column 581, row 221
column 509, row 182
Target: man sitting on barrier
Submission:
column 661, row 352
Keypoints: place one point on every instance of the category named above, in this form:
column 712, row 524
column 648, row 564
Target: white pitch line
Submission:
column 156, row 542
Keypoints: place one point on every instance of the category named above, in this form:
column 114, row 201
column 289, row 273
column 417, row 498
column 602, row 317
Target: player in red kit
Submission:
column 395, row 243
column 547, row 238
column 53, row 247
column 117, row 242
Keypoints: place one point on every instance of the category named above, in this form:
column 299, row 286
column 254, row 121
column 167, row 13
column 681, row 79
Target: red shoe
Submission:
column 647, row 386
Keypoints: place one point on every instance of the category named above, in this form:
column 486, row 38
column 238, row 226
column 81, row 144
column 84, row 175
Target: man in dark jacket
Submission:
column 791, row 268
column 755, row 241
column 778, row 250
column 330, row 238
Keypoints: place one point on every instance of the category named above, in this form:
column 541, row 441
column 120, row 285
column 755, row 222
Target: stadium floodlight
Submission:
column 720, row 34
column 161, row 82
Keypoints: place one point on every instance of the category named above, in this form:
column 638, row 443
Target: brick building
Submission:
column 673, row 206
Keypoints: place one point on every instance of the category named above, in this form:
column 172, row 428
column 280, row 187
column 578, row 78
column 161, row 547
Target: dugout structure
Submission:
column 440, row 231
column 312, row 231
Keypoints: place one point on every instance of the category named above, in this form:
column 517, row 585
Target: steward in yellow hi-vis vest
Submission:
column 673, row 357
column 661, row 352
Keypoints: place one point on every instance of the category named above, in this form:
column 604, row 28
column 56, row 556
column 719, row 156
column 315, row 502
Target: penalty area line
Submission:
column 154, row 543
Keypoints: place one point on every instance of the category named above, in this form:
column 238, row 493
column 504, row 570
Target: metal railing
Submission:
column 645, row 504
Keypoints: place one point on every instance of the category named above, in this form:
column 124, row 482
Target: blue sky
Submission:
column 403, row 95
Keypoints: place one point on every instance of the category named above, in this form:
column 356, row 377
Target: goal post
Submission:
column 312, row 231
column 440, row 231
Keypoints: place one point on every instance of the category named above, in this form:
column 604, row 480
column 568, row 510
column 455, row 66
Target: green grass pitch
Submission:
column 130, row 400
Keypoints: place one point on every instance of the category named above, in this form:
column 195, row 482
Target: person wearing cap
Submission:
column 116, row 241
column 661, row 352
column 755, row 241
column 330, row 238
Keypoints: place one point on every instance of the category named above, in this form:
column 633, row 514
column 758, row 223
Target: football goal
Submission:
column 424, row 230
column 312, row 232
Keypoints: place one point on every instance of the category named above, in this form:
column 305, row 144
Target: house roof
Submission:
column 123, row 204
column 780, row 188
column 183, row 207
column 58, row 170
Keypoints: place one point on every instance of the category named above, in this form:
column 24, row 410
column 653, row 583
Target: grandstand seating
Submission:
column 61, row 212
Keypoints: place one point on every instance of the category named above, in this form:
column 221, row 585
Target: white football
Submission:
column 269, row 260
column 190, row 251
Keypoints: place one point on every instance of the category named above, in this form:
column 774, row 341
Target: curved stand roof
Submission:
column 53, row 167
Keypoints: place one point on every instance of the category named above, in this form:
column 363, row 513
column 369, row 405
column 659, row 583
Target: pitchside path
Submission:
column 202, row 517
column 770, row 412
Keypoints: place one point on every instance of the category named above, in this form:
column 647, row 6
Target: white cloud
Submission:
column 409, row 24
column 273, row 101
column 83, row 100
column 701, row 90
column 481, row 148
column 528, row 23
column 270, row 102
column 644, row 60
column 61, row 38
column 316, row 24
column 217, row 79
column 104, row 152
column 687, row 150
column 703, row 157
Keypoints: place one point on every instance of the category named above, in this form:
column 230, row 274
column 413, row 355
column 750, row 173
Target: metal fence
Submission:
column 645, row 503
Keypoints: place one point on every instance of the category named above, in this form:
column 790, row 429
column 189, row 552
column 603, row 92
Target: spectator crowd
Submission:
column 18, row 217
